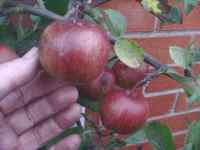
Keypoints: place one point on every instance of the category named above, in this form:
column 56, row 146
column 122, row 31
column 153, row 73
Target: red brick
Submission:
column 160, row 105
column 181, row 103
column 196, row 69
column 138, row 19
column 162, row 83
column 180, row 122
column 179, row 141
column 159, row 46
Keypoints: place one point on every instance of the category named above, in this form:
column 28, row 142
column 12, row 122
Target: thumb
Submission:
column 17, row 72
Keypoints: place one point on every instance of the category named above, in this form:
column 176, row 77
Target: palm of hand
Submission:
column 37, row 111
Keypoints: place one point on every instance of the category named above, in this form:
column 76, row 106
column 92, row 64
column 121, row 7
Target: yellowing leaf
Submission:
column 152, row 5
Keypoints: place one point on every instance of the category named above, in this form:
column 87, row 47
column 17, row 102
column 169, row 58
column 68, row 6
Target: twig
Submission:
column 98, row 130
column 152, row 76
column 153, row 61
column 36, row 11
column 99, row 2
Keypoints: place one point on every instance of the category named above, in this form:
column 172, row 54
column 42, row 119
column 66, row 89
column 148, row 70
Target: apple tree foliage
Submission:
column 17, row 33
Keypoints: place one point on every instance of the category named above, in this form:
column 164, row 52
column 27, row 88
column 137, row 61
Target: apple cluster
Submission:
column 78, row 51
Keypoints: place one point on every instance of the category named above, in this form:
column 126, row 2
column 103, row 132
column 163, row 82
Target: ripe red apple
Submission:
column 127, row 77
column 76, row 51
column 6, row 53
column 122, row 112
column 99, row 87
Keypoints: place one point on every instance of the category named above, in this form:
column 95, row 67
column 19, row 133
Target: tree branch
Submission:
column 153, row 61
column 99, row 2
column 36, row 11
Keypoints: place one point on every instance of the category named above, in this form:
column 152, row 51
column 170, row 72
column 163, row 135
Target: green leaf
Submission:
column 59, row 7
column 188, row 147
column 3, row 20
column 189, row 5
column 193, row 90
column 193, row 135
column 92, row 105
column 87, row 139
column 129, row 53
column 136, row 138
column 114, row 144
column 7, row 35
column 196, row 54
column 159, row 136
column 152, row 6
column 118, row 21
column 106, row 21
column 173, row 16
column 2, row 3
column 190, row 86
column 181, row 56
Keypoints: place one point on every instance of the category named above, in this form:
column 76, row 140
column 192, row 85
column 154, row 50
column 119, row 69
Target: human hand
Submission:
column 33, row 106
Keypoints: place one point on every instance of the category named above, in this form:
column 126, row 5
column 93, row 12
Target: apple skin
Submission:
column 74, row 50
column 123, row 113
column 127, row 77
column 6, row 53
column 99, row 87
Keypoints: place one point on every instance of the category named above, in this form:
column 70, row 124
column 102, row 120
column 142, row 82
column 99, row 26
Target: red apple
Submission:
column 122, row 112
column 127, row 77
column 6, row 53
column 99, row 87
column 74, row 50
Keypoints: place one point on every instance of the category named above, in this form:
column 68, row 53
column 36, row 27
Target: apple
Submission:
column 99, row 87
column 127, row 77
column 74, row 50
column 122, row 112
column 6, row 53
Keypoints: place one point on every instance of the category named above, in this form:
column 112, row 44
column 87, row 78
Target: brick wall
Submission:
column 167, row 100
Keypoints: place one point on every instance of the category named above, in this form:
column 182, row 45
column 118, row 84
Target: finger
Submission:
column 28, row 141
column 51, row 128
column 32, row 139
column 40, row 134
column 70, row 143
column 68, row 117
column 8, row 138
column 6, row 54
column 40, row 86
column 18, row 72
column 26, row 118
